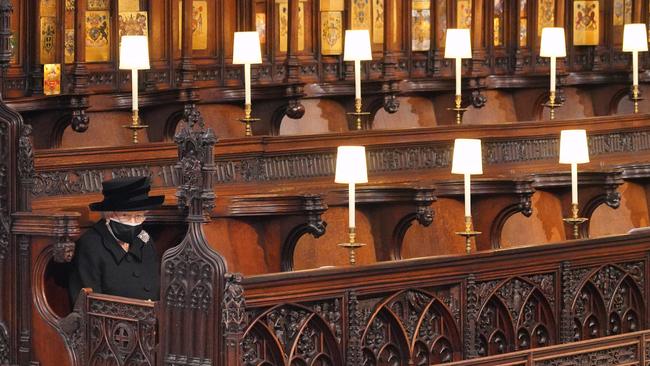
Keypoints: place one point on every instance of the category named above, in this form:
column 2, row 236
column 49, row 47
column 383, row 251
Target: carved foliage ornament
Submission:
column 5, row 218
column 4, row 344
column 234, row 305
column 25, row 154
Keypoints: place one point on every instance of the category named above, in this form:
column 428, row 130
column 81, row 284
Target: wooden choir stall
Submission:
column 264, row 259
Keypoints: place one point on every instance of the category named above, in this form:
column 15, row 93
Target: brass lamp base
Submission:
column 351, row 245
column 457, row 108
column 135, row 126
column 358, row 114
column 468, row 234
column 247, row 119
column 575, row 220
column 636, row 98
column 551, row 104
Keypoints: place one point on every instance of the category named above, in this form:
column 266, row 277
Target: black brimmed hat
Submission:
column 127, row 194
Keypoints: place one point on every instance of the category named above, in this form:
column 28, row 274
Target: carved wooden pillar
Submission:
column 234, row 318
column 79, row 71
column 16, row 166
column 479, row 53
column 293, row 64
column 390, row 87
column 245, row 14
column 36, row 77
column 187, row 66
column 295, row 89
column 192, row 274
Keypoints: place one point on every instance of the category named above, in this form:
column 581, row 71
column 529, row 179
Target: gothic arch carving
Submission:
column 609, row 300
column 517, row 311
column 290, row 334
column 411, row 326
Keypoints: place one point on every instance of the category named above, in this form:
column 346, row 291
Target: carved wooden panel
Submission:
column 294, row 334
column 607, row 300
column 517, row 313
column 121, row 333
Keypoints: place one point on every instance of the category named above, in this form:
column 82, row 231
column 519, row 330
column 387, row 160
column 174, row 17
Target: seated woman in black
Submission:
column 116, row 256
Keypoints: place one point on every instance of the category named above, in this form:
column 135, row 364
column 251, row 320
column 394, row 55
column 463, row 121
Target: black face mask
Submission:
column 124, row 232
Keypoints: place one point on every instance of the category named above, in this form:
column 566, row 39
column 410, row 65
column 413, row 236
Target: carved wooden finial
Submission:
column 196, row 161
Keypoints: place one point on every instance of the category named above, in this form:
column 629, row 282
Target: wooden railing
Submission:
column 627, row 349
column 442, row 309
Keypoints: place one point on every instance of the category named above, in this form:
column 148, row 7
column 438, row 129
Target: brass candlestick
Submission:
column 552, row 104
column 636, row 98
column 575, row 220
column 458, row 109
column 135, row 126
column 247, row 120
column 351, row 245
column 468, row 234
column 358, row 114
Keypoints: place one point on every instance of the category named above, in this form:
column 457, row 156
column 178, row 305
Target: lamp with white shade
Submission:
column 351, row 169
column 458, row 46
column 635, row 40
column 247, row 51
column 357, row 49
column 134, row 56
column 467, row 160
column 553, row 45
column 574, row 150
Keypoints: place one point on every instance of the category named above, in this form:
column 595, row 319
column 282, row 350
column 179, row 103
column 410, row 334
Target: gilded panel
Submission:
column 260, row 26
column 97, row 36
column 133, row 23
column 464, row 14
column 420, row 25
column 48, row 40
column 441, row 22
column 199, row 24
column 523, row 23
column 129, row 5
column 331, row 33
column 52, row 79
column 545, row 15
column 98, row 5
column 378, row 21
column 586, row 23
column 361, row 14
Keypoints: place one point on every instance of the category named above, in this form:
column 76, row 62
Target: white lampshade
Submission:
column 246, row 48
column 467, row 157
column 134, row 53
column 458, row 43
column 351, row 165
column 553, row 43
column 635, row 37
column 357, row 45
column 573, row 147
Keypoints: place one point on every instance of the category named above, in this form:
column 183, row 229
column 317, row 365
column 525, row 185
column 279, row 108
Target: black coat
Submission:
column 101, row 264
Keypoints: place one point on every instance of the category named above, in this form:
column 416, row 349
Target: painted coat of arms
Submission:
column 97, row 36
column 585, row 23
column 133, row 23
column 331, row 33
